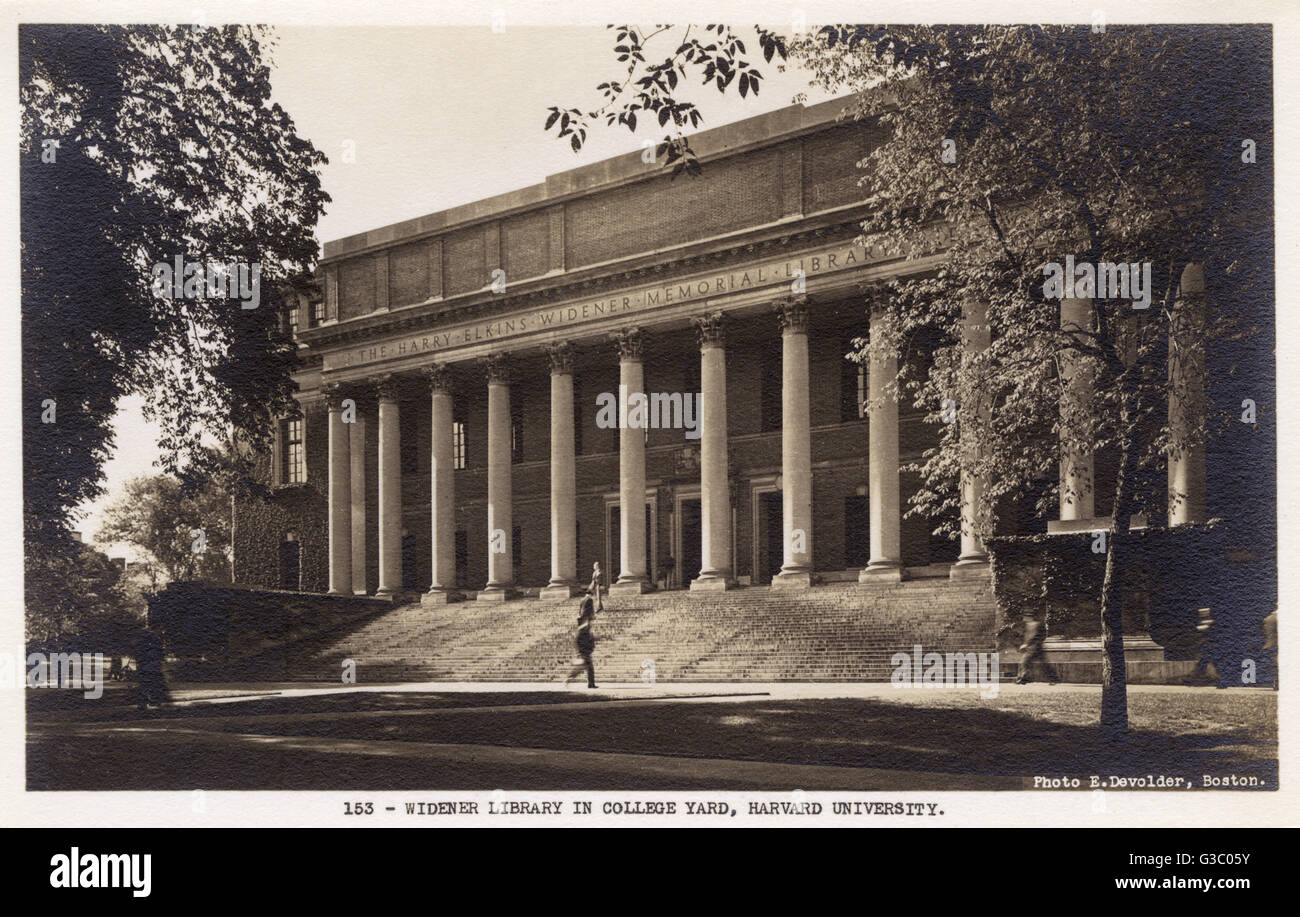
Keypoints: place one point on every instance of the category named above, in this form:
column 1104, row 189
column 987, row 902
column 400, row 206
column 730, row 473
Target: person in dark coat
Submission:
column 1207, row 669
column 1031, row 652
column 149, row 665
column 586, row 644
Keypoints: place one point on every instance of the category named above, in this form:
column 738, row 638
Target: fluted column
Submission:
column 1076, row 475
column 500, row 524
column 883, row 485
column 564, row 529
column 631, row 469
column 357, row 450
column 796, row 448
column 975, row 411
column 715, row 494
column 1187, row 400
column 442, row 489
column 340, row 501
column 390, row 489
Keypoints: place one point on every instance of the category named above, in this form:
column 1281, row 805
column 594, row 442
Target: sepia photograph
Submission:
column 562, row 419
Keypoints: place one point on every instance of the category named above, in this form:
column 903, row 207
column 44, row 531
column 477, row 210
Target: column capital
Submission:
column 386, row 386
column 438, row 377
column 334, row 394
column 630, row 343
column 792, row 315
column 561, row 358
column 497, row 368
column 711, row 329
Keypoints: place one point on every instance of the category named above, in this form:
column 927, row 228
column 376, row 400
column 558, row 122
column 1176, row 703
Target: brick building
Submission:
column 454, row 368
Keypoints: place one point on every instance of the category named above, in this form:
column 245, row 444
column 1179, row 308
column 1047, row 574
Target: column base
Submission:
column 559, row 592
column 1091, row 524
column 387, row 595
column 630, row 587
column 440, row 596
column 339, row 592
column 883, row 572
column 793, row 579
column 714, row 582
column 496, row 594
column 974, row 567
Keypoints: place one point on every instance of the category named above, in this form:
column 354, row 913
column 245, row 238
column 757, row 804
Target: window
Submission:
column 293, row 320
column 458, row 445
column 293, row 455
column 317, row 312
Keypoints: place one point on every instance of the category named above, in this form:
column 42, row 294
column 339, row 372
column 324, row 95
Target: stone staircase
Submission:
column 838, row 632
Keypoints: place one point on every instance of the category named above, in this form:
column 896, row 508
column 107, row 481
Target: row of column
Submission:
column 347, row 492
column 347, row 510
column 1186, row 458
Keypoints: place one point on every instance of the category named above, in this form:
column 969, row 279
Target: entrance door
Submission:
column 771, row 552
column 411, row 557
column 614, row 569
column 689, row 552
column 290, row 565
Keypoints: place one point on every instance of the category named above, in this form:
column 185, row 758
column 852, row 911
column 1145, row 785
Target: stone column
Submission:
column 340, row 500
column 1187, row 400
column 883, row 486
column 1076, row 483
column 715, row 494
column 442, row 489
column 796, row 448
column 631, row 468
column 564, row 528
column 357, row 448
column 501, row 574
column 974, row 415
column 390, row 489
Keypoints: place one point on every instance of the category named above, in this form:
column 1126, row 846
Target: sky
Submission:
column 437, row 117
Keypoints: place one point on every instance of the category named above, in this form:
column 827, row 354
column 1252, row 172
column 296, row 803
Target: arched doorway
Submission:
column 291, row 562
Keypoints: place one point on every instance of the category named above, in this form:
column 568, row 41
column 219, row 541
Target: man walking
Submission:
column 586, row 644
column 1031, row 652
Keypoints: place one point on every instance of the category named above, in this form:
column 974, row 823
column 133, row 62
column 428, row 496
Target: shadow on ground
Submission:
column 245, row 745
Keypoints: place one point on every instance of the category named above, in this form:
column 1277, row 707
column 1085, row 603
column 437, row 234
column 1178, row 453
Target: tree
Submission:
column 184, row 530
column 80, row 594
column 141, row 145
column 1029, row 144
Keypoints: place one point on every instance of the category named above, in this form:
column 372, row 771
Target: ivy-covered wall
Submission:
column 1170, row 573
column 262, row 522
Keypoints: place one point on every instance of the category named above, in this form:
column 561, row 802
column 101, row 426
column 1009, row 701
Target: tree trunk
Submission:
column 1114, row 675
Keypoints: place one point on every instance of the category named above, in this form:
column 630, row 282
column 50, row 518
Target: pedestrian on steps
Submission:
column 594, row 590
column 586, row 644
